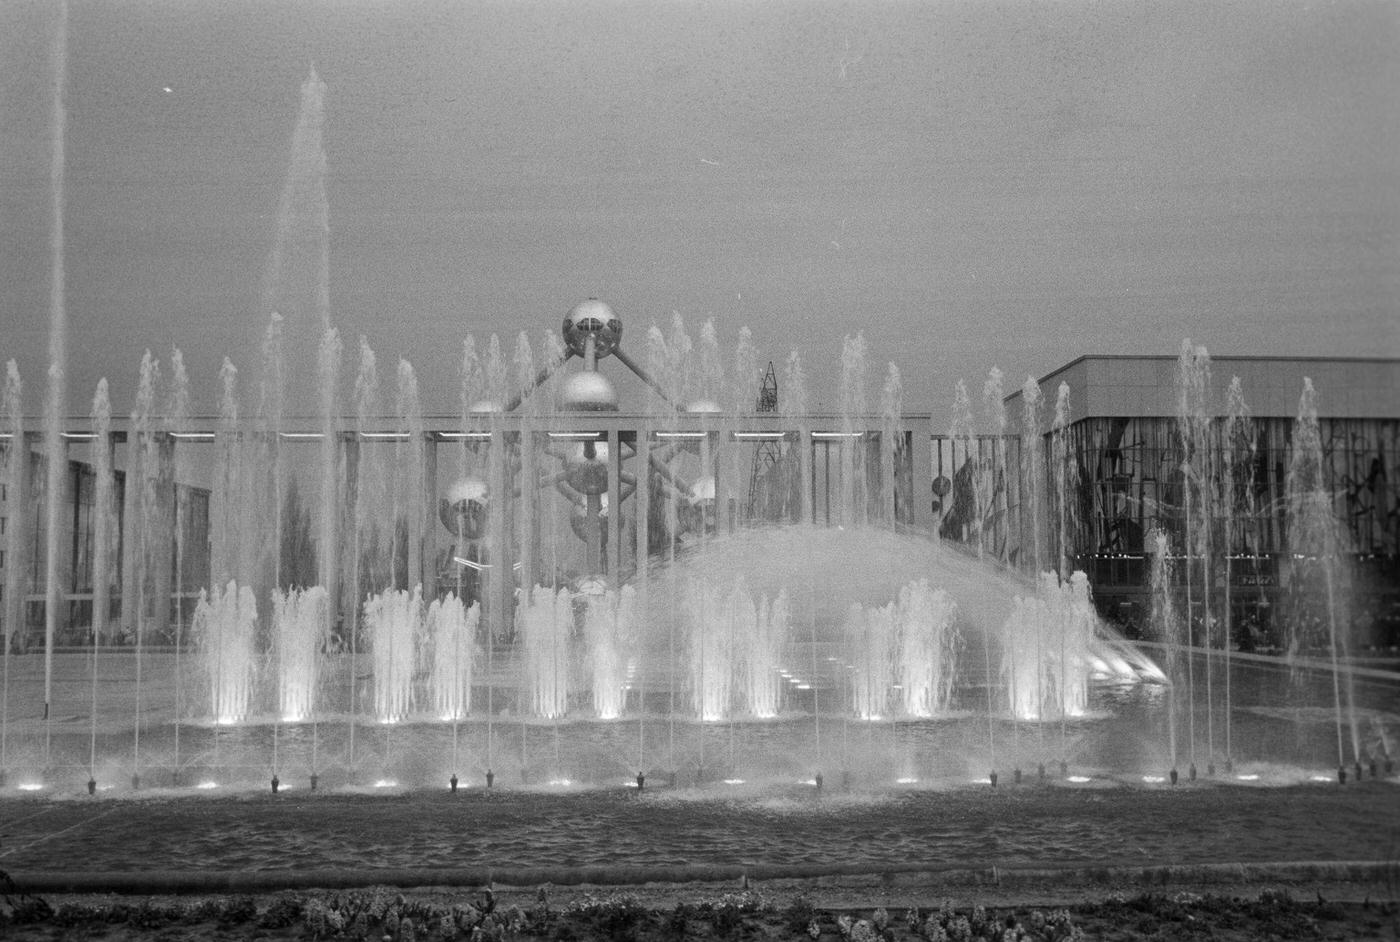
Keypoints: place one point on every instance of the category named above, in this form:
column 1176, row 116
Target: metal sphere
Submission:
column 592, row 318
column 588, row 391
column 467, row 488
column 464, row 510
column 587, row 475
column 578, row 522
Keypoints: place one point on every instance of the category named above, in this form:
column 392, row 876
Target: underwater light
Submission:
column 386, row 783
column 1154, row 779
column 1078, row 779
column 733, row 781
column 30, row 786
column 1321, row 778
column 906, row 781
column 561, row 782
column 207, row 785
column 1251, row 777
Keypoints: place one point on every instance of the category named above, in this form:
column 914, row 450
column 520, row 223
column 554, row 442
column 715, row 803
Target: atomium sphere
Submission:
column 588, row 391
column 592, row 318
column 587, row 475
column 464, row 510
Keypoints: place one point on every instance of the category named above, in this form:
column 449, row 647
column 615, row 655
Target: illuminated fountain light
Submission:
column 711, row 637
column 763, row 642
column 1252, row 777
column 906, row 780
column 1154, row 779
column 30, row 786
column 386, row 783
column 1078, row 779
column 871, row 637
column 206, row 785
column 926, row 645
column 561, row 782
column 734, row 781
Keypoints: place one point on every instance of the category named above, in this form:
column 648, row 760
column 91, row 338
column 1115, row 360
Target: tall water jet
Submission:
column 1167, row 624
column 1239, row 453
column 394, row 620
column 408, row 513
column 225, row 631
column 328, row 375
column 1032, row 459
column 994, row 407
column 365, row 472
column 143, row 484
column 1066, row 474
column 891, row 443
column 228, row 505
column 56, row 402
column 303, row 203
column 298, row 638
column 101, row 545
column 16, row 475
column 963, row 427
column 269, row 462
column 709, row 654
column 177, row 419
column 1316, row 540
column 794, row 407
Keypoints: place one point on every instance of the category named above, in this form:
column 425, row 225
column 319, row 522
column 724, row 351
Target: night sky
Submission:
column 969, row 183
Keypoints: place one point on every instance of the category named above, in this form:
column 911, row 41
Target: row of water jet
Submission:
column 1048, row 681
column 736, row 649
column 903, row 655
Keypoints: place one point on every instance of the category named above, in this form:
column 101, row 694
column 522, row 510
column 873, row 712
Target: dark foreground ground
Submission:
column 782, row 910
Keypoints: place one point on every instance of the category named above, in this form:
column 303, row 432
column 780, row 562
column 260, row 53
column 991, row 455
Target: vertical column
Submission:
column 499, row 575
column 614, row 537
column 716, row 444
column 526, row 514
column 415, row 517
column 643, row 499
column 921, row 477
column 18, row 539
column 349, row 447
column 888, row 436
column 101, row 522
column 131, row 538
column 428, row 519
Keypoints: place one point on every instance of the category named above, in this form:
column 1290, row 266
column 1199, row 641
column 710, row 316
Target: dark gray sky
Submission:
column 969, row 183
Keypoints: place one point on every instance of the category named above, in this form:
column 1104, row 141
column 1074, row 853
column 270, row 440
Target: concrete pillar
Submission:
column 131, row 539
column 498, row 578
column 526, row 516
column 162, row 530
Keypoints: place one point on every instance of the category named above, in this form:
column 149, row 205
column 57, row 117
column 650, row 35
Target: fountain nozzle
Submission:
column 136, row 783
column 276, row 784
column 1341, row 775
column 1358, row 770
column 92, row 786
column 1016, row 775
column 1173, row 776
column 314, row 779
column 818, row 781
column 1191, row 771
column 641, row 781
column 992, row 777
column 452, row 783
column 490, row 778
column 1373, row 767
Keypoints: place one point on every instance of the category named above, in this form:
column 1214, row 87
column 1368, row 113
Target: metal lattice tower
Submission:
column 768, row 453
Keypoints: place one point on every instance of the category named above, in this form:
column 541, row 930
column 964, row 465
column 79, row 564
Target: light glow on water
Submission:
column 561, row 782
column 386, row 783
column 1322, row 778
column 30, row 786
column 907, row 780
column 1154, row 779
column 1078, row 779
column 1251, row 777
column 207, row 785
column 733, row 781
